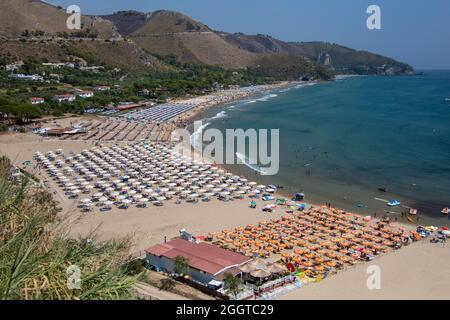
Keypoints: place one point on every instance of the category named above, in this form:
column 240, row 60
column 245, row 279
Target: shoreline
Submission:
column 189, row 117
column 395, row 213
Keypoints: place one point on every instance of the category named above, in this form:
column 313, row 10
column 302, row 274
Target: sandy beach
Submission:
column 419, row 271
column 228, row 96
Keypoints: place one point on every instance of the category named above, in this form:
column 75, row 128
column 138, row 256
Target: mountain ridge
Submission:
column 169, row 33
column 192, row 41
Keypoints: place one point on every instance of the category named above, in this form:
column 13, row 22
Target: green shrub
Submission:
column 35, row 252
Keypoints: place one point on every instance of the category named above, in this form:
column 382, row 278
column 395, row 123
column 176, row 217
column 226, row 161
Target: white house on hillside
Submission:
column 85, row 94
column 64, row 97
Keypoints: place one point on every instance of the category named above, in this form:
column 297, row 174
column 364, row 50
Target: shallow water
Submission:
column 340, row 141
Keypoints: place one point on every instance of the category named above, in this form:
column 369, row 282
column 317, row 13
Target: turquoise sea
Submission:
column 340, row 141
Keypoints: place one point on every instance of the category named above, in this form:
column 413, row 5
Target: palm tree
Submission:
column 232, row 285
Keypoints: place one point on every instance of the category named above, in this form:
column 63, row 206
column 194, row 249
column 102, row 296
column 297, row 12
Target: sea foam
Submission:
column 246, row 162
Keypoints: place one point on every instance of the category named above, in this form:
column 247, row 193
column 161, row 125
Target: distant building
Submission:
column 85, row 94
column 36, row 100
column 64, row 98
column 28, row 77
column 102, row 88
column 56, row 76
column 59, row 65
column 94, row 69
column 144, row 93
column 207, row 263
column 14, row 66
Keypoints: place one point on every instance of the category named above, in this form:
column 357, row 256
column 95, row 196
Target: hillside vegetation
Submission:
column 349, row 60
column 35, row 252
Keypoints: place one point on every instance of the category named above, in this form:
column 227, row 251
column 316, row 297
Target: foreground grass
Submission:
column 35, row 252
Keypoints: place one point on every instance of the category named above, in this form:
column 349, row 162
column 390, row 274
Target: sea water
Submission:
column 341, row 141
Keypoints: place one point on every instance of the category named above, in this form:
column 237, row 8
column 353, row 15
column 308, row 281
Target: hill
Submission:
column 17, row 16
column 119, row 54
column 172, row 34
column 347, row 60
column 163, row 22
column 260, row 43
column 339, row 58
column 204, row 48
column 127, row 22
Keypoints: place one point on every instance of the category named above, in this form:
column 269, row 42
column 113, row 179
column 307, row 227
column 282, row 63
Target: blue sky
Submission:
column 413, row 31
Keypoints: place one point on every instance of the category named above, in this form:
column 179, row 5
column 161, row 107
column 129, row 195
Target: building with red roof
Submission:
column 206, row 262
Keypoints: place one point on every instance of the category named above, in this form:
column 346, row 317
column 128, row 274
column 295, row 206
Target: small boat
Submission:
column 412, row 211
column 446, row 210
column 298, row 197
column 382, row 189
column 394, row 203
column 268, row 198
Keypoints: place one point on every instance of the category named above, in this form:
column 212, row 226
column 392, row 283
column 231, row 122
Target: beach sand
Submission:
column 149, row 226
column 419, row 271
